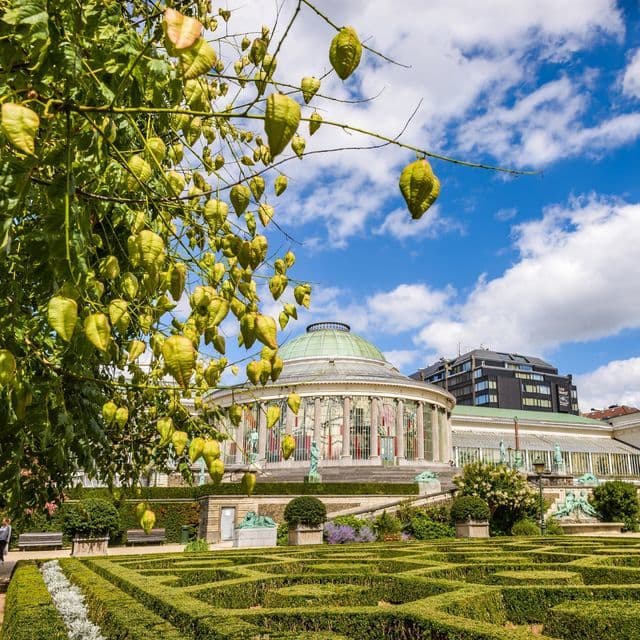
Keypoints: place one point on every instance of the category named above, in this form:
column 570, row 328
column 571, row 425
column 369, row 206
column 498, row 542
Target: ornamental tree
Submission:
column 505, row 491
column 143, row 150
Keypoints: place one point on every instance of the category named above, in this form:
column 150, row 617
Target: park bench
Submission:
column 138, row 536
column 49, row 539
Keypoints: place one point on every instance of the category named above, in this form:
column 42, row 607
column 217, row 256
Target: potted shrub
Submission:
column 89, row 523
column 304, row 517
column 471, row 515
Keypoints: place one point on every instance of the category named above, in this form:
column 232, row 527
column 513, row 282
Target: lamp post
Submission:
column 538, row 467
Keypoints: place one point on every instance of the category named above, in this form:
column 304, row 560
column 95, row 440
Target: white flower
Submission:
column 69, row 602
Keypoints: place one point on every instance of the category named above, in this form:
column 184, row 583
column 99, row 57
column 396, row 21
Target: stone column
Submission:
column 435, row 433
column 290, row 421
column 400, row 430
column 420, row 429
column 317, row 427
column 240, row 440
column 445, row 454
column 346, row 428
column 375, row 434
column 262, row 432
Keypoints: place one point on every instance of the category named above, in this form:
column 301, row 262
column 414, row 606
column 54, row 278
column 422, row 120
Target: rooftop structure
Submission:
column 503, row 380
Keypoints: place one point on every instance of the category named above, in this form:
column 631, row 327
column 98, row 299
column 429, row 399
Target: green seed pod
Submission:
column 280, row 184
column 256, row 184
column 277, row 285
column 215, row 213
column 314, row 122
column 139, row 173
column 309, row 86
column 257, row 51
column 265, row 212
column 288, row 446
column 419, row 186
column 345, row 52
column 156, row 148
column 281, row 120
column 298, row 144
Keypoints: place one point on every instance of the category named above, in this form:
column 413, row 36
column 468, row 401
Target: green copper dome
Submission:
column 329, row 340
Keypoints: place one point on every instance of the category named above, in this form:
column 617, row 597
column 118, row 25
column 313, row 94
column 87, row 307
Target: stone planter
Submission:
column 305, row 535
column 90, row 546
column 472, row 529
column 257, row 537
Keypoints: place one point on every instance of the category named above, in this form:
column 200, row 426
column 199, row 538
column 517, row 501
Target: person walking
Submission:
column 5, row 538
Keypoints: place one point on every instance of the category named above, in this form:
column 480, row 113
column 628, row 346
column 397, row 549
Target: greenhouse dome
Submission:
column 355, row 406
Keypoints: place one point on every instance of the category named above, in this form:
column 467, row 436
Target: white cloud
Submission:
column 467, row 58
column 631, row 78
column 505, row 214
column 617, row 382
column 574, row 281
column 404, row 358
column 406, row 307
column 545, row 125
column 400, row 225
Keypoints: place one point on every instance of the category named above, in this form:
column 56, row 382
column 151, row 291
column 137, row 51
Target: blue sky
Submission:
column 545, row 265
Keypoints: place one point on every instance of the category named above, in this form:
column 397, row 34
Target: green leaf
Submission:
column 20, row 125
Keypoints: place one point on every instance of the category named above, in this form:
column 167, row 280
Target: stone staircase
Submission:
column 356, row 473
column 394, row 504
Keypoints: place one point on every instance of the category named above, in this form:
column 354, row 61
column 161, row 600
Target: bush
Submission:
column 197, row 546
column 305, row 510
column 170, row 516
column 465, row 508
column 552, row 528
column 30, row 612
column 351, row 521
column 617, row 501
column 387, row 526
column 342, row 533
column 423, row 528
column 525, row 527
column 503, row 489
column 283, row 535
column 440, row 512
column 92, row 517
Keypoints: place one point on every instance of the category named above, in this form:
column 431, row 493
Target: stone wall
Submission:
column 273, row 506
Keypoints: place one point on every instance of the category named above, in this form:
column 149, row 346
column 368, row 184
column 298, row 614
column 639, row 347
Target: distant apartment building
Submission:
column 487, row 378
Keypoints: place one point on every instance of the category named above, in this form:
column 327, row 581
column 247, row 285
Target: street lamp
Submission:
column 538, row 467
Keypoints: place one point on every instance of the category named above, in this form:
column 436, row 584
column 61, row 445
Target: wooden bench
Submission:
column 49, row 539
column 138, row 536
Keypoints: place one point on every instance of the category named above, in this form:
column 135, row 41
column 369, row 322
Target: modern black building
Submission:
column 486, row 378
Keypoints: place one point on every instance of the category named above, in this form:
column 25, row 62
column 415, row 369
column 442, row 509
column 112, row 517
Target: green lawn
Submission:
column 504, row 588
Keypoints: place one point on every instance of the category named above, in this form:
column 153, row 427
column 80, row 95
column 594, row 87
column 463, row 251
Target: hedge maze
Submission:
column 510, row 588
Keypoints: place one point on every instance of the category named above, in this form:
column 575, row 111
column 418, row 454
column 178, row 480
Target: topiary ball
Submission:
column 305, row 510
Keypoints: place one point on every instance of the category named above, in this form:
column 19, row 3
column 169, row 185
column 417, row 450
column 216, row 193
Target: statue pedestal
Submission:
column 258, row 537
column 429, row 487
column 313, row 478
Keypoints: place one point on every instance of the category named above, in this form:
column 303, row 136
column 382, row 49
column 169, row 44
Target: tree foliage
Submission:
column 142, row 153
column 617, row 501
column 504, row 489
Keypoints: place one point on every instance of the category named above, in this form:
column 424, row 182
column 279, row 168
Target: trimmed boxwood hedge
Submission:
column 170, row 516
column 118, row 615
column 588, row 620
column 29, row 610
column 442, row 590
column 261, row 489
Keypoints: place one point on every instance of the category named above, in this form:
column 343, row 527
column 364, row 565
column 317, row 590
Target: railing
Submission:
column 575, row 462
